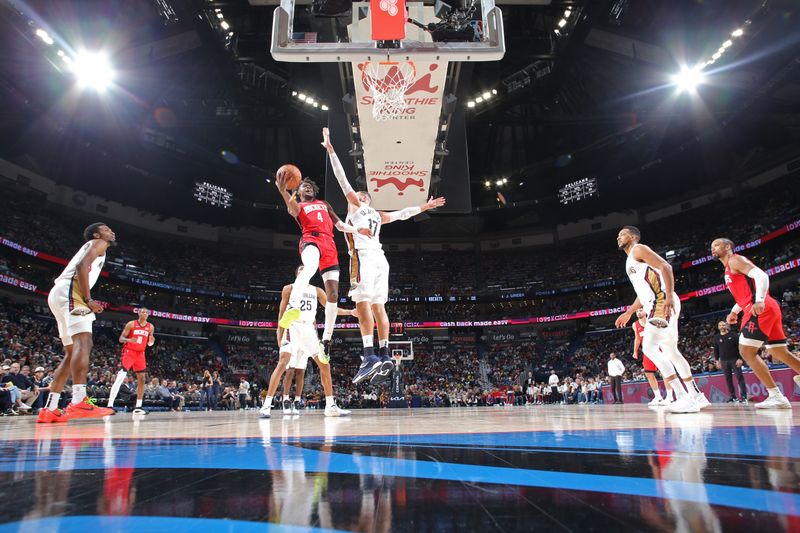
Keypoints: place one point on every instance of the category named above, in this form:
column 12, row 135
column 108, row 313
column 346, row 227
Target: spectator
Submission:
column 42, row 383
column 244, row 392
column 615, row 371
column 553, row 382
column 28, row 392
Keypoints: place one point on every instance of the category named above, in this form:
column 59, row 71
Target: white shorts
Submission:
column 369, row 277
column 303, row 343
column 669, row 333
column 61, row 301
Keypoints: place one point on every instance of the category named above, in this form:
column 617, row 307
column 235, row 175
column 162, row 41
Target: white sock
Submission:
column 330, row 319
column 677, row 388
column 52, row 401
column 116, row 386
column 330, row 401
column 657, row 394
column 366, row 341
column 775, row 391
column 268, row 402
column 138, row 402
column 383, row 343
column 78, row 393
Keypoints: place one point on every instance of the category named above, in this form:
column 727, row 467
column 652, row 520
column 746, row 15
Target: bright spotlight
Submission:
column 479, row 99
column 716, row 56
column 562, row 23
column 92, row 69
column 567, row 13
column 324, row 107
column 688, row 79
column 494, row 91
column 224, row 25
column 486, row 95
column 470, row 104
column 301, row 97
column 727, row 43
column 738, row 32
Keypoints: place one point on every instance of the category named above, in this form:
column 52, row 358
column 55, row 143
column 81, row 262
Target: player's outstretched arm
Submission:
column 408, row 212
column 338, row 170
column 291, row 203
column 344, row 227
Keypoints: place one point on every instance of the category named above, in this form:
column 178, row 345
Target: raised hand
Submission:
column 326, row 140
column 433, row 203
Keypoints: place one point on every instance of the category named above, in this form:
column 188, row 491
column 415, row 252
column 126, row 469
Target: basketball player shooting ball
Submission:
column 369, row 270
column 654, row 283
column 317, row 248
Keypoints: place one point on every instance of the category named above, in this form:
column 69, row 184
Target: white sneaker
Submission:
column 656, row 401
column 24, row 407
column 701, row 400
column 335, row 410
column 264, row 412
column 287, row 407
column 683, row 405
column 664, row 401
column 295, row 407
column 778, row 401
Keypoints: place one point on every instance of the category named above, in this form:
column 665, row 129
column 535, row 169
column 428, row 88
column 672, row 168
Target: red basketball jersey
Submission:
column 314, row 218
column 141, row 334
column 742, row 288
column 639, row 329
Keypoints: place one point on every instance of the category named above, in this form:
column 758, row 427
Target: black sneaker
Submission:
column 384, row 372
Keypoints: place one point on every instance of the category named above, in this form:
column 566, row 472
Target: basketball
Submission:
column 292, row 174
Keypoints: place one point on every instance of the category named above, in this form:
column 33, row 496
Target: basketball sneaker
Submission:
column 264, row 412
column 324, row 354
column 289, row 316
column 87, row 409
column 384, row 372
column 287, row 407
column 686, row 404
column 777, row 401
column 47, row 416
column 701, row 400
column 796, row 380
column 369, row 366
column 296, row 407
column 139, row 411
column 335, row 410
column 656, row 401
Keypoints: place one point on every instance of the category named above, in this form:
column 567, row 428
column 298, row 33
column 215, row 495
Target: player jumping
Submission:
column 369, row 270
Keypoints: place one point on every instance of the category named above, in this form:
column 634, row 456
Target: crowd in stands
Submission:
column 189, row 372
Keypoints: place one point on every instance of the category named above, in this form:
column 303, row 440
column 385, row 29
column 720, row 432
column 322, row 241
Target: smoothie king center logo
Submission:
column 400, row 174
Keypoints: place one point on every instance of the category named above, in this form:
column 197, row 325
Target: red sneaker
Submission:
column 46, row 416
column 87, row 409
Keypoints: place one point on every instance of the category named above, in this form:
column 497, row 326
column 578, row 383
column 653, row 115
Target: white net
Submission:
column 388, row 82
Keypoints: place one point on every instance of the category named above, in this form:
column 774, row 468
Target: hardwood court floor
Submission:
column 553, row 468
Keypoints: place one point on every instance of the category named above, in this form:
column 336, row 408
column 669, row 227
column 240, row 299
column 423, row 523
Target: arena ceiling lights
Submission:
column 689, row 78
column 482, row 98
column 309, row 100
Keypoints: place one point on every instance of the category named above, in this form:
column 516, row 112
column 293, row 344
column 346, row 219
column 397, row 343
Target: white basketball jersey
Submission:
column 308, row 305
column 71, row 270
column 365, row 217
column 647, row 282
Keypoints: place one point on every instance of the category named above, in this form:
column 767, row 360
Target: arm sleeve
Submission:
column 345, row 227
column 341, row 177
column 762, row 282
column 404, row 214
column 736, row 309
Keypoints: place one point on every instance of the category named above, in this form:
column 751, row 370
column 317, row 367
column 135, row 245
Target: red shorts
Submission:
column 133, row 360
column 328, row 256
column 648, row 365
column 766, row 328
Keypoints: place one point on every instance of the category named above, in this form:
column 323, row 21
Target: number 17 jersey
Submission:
column 366, row 217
